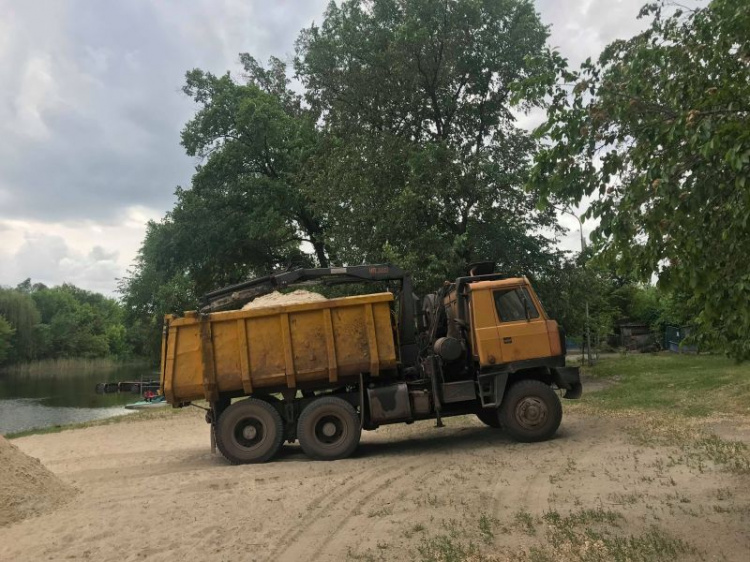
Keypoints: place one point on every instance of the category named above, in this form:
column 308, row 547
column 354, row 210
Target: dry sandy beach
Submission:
column 605, row 487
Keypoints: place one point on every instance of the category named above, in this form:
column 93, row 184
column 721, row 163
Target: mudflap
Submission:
column 569, row 379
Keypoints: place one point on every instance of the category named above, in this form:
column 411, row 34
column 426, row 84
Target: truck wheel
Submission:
column 328, row 429
column 249, row 431
column 531, row 411
column 490, row 417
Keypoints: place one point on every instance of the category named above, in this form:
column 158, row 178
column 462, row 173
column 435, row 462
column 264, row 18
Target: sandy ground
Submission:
column 151, row 490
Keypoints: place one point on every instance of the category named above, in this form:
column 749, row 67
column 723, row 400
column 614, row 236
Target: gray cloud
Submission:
column 91, row 109
column 48, row 259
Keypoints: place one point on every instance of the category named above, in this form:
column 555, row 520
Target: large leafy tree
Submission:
column 245, row 212
column 657, row 132
column 247, row 207
column 403, row 148
column 423, row 163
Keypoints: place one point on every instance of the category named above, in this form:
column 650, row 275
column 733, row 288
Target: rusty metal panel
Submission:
column 389, row 403
column 279, row 347
column 184, row 370
column 247, row 383
column 333, row 370
column 210, row 387
column 459, row 391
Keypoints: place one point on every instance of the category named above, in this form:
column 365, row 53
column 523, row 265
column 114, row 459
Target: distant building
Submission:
column 636, row 336
column 673, row 338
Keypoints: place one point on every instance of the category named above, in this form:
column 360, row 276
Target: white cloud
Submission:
column 88, row 254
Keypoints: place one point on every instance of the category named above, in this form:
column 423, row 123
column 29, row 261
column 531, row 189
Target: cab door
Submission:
column 521, row 328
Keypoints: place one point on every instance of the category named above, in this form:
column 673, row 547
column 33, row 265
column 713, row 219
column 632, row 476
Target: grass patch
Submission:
column 382, row 512
column 688, row 385
column 449, row 548
column 697, row 446
column 486, row 528
column 525, row 522
column 589, row 535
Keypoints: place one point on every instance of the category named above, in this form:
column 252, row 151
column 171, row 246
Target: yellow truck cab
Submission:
column 320, row 372
column 510, row 326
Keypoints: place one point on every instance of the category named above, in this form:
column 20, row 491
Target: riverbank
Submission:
column 464, row 492
column 49, row 394
column 631, row 483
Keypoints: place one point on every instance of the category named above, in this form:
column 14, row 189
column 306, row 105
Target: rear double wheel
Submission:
column 329, row 429
column 249, row 431
column 531, row 411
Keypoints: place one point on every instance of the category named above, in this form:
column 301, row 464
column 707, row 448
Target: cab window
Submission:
column 510, row 305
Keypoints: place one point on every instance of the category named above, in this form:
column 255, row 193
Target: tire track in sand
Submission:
column 308, row 539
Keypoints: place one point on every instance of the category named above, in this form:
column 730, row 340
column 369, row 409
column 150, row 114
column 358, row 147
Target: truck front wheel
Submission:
column 328, row 429
column 249, row 431
column 531, row 411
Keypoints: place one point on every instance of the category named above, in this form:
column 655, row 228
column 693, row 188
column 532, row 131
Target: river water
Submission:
column 52, row 399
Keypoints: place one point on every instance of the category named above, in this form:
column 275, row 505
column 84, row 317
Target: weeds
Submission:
column 525, row 522
column 445, row 548
column 486, row 525
column 587, row 536
column 382, row 512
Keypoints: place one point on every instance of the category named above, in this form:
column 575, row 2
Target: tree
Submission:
column 6, row 339
column 254, row 139
column 422, row 163
column 657, row 130
column 20, row 312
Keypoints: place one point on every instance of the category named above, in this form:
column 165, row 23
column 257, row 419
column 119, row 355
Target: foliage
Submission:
column 566, row 291
column 6, row 338
column 20, row 312
column 61, row 322
column 247, row 209
column 657, row 130
column 422, row 163
column 403, row 148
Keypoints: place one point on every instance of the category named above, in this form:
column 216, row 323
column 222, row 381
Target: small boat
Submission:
column 136, row 387
column 148, row 403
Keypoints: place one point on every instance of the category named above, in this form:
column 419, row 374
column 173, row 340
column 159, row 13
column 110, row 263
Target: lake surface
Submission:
column 47, row 400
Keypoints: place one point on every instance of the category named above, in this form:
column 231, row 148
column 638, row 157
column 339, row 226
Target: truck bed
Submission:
column 276, row 348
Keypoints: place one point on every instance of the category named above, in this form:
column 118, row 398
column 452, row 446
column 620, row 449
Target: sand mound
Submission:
column 27, row 488
column 276, row 299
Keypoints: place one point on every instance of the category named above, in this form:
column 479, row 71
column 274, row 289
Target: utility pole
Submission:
column 588, row 326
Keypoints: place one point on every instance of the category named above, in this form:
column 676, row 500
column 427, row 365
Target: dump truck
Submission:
column 321, row 372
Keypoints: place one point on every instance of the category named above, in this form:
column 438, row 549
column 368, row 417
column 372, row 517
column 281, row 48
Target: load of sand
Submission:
column 27, row 488
column 277, row 299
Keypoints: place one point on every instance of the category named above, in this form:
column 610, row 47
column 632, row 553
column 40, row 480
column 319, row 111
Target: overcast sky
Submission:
column 91, row 110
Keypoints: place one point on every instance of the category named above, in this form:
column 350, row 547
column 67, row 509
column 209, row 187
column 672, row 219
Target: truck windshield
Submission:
column 510, row 306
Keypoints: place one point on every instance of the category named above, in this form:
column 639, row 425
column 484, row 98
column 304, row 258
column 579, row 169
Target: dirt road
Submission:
column 150, row 490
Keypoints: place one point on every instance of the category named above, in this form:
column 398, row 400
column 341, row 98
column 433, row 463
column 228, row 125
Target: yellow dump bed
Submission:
column 278, row 347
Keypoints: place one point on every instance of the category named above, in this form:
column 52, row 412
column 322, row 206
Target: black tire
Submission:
column 329, row 429
column 490, row 417
column 531, row 411
column 250, row 431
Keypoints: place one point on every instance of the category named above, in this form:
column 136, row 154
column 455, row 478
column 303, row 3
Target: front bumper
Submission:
column 569, row 379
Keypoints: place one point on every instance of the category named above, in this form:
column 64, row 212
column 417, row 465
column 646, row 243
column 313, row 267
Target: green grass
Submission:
column 591, row 535
column 688, row 385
